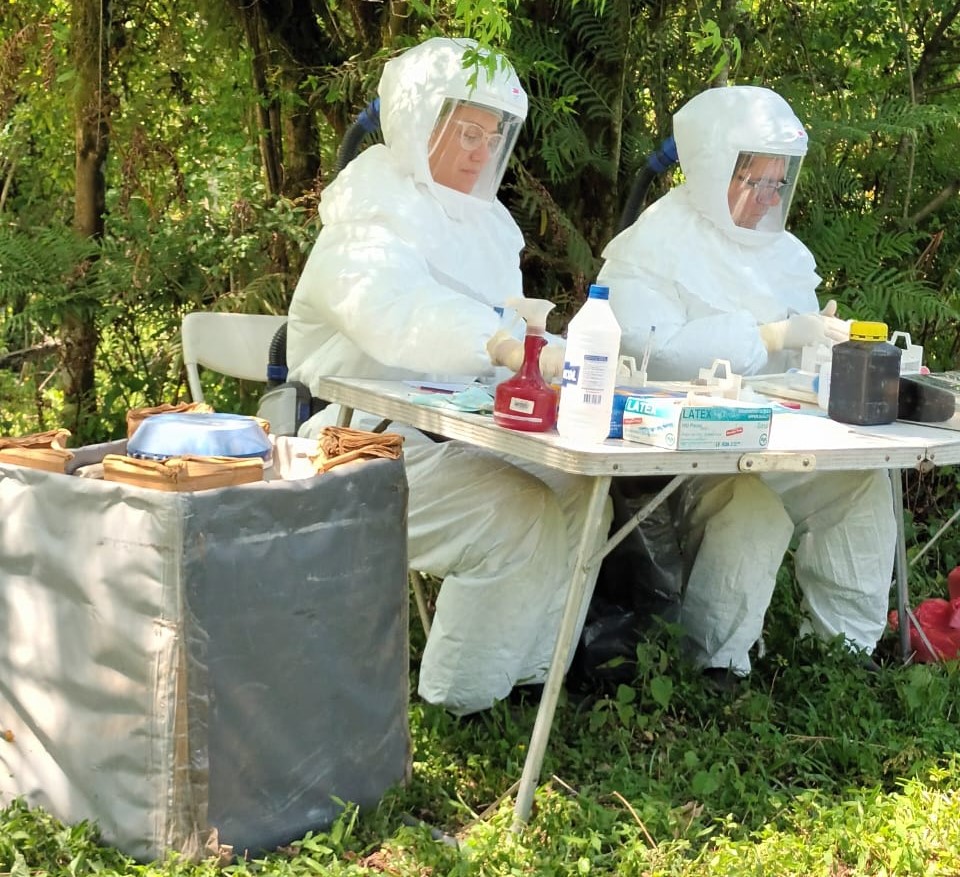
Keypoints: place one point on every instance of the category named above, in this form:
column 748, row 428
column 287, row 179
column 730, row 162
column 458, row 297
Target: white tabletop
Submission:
column 798, row 441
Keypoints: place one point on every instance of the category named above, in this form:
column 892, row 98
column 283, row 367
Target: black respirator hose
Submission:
column 366, row 123
column 277, row 357
column 662, row 159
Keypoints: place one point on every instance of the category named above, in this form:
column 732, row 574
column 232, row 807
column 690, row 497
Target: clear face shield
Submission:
column 761, row 189
column 470, row 146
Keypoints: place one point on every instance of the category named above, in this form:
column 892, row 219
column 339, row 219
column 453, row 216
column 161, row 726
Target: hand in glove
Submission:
column 551, row 361
column 507, row 351
column 801, row 330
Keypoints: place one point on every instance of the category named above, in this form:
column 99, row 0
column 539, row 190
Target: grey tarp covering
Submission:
column 218, row 665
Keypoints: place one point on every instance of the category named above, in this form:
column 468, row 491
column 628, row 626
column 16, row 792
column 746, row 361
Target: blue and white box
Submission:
column 696, row 423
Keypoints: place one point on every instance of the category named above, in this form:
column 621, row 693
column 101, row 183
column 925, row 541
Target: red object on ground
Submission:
column 940, row 622
column 953, row 583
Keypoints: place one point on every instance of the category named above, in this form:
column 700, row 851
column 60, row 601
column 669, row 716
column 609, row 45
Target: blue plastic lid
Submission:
column 597, row 291
column 202, row 435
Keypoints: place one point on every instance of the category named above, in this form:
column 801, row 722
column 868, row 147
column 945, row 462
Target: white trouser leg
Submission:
column 498, row 537
column 573, row 491
column 847, row 537
column 736, row 531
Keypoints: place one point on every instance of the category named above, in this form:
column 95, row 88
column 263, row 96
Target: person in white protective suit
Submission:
column 414, row 255
column 711, row 266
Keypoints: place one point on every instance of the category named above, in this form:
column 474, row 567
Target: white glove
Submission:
column 551, row 361
column 507, row 351
column 801, row 330
column 503, row 349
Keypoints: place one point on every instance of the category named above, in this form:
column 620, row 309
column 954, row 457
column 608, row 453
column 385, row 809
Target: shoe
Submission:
column 721, row 679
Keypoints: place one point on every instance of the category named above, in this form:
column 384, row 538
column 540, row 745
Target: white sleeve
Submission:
column 370, row 284
column 688, row 336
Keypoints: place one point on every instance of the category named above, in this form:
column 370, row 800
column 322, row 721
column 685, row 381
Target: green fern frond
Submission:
column 574, row 83
column 594, row 31
column 870, row 271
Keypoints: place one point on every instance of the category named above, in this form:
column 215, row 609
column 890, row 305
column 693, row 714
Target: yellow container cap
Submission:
column 864, row 330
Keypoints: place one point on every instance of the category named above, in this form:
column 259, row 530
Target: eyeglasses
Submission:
column 472, row 137
column 763, row 186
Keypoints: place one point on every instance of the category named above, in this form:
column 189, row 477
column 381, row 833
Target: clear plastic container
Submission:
column 589, row 371
column 173, row 434
column 865, row 377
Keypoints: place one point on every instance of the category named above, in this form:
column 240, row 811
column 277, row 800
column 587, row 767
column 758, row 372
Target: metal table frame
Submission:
column 798, row 442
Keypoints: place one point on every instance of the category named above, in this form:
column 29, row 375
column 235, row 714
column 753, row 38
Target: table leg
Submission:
column 900, row 566
column 641, row 515
column 561, row 651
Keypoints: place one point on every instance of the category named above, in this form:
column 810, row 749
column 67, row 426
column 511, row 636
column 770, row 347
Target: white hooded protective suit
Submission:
column 402, row 283
column 707, row 284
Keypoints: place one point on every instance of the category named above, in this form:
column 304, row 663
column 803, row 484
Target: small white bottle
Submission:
column 589, row 370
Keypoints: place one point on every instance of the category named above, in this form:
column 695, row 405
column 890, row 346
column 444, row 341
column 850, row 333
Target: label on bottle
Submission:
column 525, row 422
column 521, row 406
column 591, row 375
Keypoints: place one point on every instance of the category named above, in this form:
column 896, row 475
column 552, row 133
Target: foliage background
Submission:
column 220, row 125
column 212, row 127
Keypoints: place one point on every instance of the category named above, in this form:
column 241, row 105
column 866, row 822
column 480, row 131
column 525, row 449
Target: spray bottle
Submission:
column 525, row 401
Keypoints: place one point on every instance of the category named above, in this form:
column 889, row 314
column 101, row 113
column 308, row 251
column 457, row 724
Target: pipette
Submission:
column 648, row 347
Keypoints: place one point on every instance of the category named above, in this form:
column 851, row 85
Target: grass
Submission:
column 813, row 767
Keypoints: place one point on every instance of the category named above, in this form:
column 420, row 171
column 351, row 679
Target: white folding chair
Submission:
column 237, row 345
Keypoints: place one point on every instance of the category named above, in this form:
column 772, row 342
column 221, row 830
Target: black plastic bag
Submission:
column 640, row 582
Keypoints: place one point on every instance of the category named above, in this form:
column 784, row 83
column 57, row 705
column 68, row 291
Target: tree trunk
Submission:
column 300, row 139
column 265, row 112
column 91, row 29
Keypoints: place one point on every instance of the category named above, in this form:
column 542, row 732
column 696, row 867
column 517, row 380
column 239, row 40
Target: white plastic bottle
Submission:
column 589, row 370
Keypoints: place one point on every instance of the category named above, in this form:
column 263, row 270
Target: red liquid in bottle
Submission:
column 526, row 401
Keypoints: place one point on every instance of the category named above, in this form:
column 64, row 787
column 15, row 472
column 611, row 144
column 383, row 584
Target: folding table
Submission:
column 799, row 442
